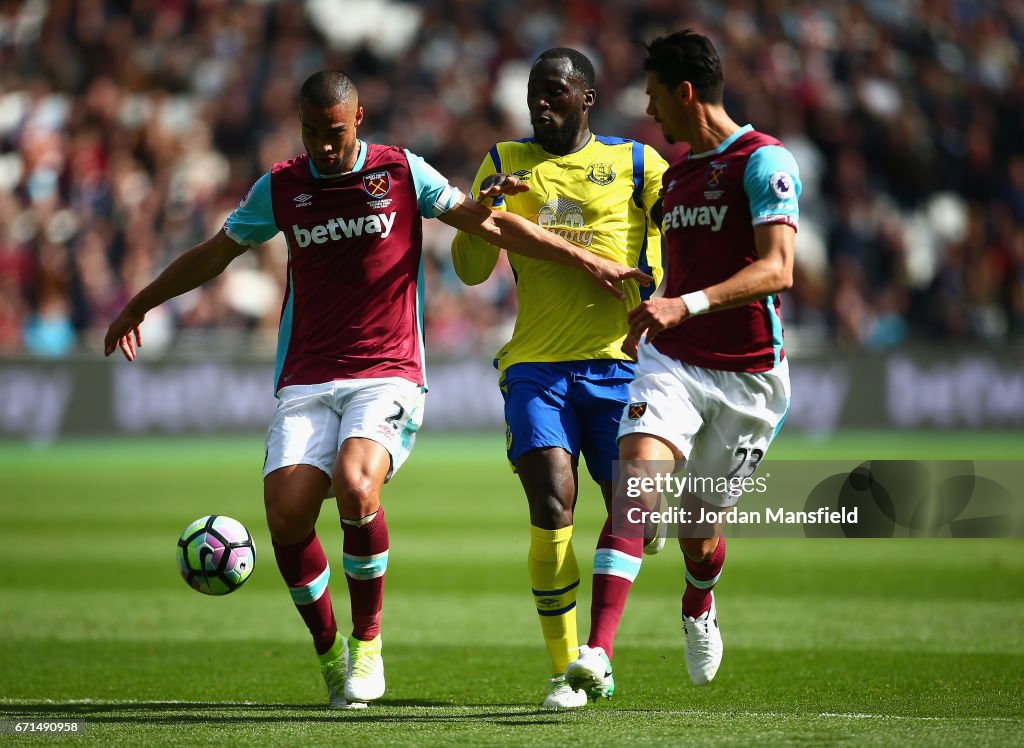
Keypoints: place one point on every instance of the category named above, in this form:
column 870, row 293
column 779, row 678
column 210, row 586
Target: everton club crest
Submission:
column 601, row 174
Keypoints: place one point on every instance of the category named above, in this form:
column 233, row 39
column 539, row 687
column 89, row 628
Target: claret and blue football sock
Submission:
column 366, row 561
column 304, row 569
column 701, row 578
column 616, row 564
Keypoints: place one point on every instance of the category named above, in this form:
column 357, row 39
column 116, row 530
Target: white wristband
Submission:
column 696, row 303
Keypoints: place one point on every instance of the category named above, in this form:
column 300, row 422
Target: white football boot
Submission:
column 365, row 677
column 334, row 668
column 592, row 672
column 703, row 645
column 563, row 696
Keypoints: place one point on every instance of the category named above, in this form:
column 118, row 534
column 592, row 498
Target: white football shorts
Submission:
column 312, row 421
column 721, row 421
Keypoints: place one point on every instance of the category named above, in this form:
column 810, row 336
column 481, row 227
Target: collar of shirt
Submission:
column 725, row 143
column 360, row 160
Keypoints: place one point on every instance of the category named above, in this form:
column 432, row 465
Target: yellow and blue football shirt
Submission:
column 599, row 198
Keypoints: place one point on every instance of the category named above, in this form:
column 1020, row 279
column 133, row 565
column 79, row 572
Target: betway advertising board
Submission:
column 41, row 401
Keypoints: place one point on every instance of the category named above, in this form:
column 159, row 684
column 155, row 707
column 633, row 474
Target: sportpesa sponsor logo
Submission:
column 337, row 229
column 707, row 215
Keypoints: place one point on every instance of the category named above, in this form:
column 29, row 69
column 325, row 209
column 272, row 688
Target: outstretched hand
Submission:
column 655, row 315
column 606, row 272
column 124, row 333
column 502, row 184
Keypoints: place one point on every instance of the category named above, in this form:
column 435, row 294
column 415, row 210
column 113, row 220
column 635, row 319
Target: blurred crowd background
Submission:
column 129, row 129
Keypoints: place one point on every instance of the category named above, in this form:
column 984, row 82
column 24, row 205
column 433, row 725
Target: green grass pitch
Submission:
column 851, row 642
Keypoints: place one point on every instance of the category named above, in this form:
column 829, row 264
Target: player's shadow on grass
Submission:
column 163, row 713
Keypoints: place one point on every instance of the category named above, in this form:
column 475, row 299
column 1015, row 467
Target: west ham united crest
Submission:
column 637, row 410
column 377, row 184
column 713, row 180
column 715, row 171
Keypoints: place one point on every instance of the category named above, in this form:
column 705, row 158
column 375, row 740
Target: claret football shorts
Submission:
column 721, row 421
column 312, row 421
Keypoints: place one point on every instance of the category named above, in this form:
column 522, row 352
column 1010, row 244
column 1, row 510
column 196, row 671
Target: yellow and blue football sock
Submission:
column 555, row 577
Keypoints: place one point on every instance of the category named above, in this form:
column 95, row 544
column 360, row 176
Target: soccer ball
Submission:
column 216, row 555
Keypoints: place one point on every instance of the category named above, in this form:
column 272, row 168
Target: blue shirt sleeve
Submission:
column 772, row 183
column 252, row 222
column 434, row 195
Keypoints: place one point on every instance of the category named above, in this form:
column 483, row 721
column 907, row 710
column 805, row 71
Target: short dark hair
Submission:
column 580, row 66
column 687, row 56
column 327, row 88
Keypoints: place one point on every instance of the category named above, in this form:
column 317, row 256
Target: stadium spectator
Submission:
column 350, row 378
column 563, row 373
column 100, row 104
column 712, row 380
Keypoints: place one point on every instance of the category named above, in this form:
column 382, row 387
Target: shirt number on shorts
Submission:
column 394, row 419
column 749, row 460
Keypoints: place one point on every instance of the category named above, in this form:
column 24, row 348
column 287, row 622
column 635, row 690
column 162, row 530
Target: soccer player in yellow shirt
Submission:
column 564, row 375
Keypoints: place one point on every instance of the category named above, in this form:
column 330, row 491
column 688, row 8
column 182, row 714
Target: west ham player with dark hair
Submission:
column 712, row 380
column 350, row 380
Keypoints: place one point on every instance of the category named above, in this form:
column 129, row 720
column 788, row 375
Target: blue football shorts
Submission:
column 575, row 405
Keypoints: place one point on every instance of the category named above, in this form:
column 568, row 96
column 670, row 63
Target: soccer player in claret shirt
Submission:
column 712, row 380
column 563, row 373
column 350, row 380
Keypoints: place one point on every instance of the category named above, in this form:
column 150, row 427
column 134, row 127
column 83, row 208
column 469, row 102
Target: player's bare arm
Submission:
column 191, row 270
column 516, row 234
column 474, row 262
column 771, row 273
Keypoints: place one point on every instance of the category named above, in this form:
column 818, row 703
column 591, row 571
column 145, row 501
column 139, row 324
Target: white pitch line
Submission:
column 826, row 715
column 858, row 715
